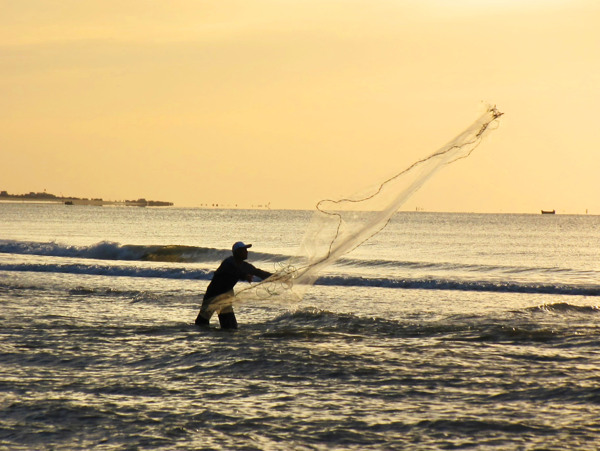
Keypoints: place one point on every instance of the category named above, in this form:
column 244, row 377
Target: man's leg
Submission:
column 203, row 318
column 227, row 318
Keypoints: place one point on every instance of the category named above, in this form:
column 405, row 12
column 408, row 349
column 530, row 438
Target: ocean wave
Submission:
column 564, row 307
column 316, row 322
column 110, row 270
column 442, row 284
column 463, row 285
column 108, row 250
column 104, row 250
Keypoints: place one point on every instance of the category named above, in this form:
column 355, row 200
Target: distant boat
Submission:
column 68, row 202
column 548, row 212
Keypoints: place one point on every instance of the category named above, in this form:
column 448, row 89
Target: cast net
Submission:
column 341, row 225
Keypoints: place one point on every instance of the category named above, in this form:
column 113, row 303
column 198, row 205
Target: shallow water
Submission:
column 445, row 331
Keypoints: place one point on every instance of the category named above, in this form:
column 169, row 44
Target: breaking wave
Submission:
column 108, row 250
column 109, row 270
column 314, row 323
column 423, row 283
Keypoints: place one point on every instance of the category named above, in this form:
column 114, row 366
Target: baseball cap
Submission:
column 240, row 245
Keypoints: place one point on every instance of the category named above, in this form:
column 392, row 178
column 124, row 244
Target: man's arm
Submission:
column 262, row 274
column 250, row 270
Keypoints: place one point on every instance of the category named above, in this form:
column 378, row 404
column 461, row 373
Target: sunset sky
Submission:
column 290, row 101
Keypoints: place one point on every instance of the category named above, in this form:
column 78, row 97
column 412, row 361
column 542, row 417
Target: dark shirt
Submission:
column 228, row 274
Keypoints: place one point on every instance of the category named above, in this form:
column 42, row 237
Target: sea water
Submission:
column 444, row 331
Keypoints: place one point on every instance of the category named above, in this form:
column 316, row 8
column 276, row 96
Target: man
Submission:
column 231, row 270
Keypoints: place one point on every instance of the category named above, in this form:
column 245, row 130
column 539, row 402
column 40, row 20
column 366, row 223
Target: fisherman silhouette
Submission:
column 231, row 270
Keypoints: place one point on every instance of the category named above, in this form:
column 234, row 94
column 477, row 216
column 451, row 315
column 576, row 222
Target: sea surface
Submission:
column 444, row 331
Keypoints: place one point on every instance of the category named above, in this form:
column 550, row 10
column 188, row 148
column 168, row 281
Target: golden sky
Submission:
column 290, row 101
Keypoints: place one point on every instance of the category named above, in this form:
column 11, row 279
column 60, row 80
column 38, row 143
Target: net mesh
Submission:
column 340, row 226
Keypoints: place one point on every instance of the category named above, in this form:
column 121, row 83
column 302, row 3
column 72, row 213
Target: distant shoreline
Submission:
column 51, row 198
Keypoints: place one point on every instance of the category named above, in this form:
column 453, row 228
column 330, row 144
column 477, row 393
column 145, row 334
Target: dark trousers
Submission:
column 227, row 320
